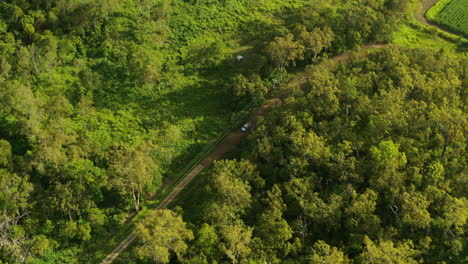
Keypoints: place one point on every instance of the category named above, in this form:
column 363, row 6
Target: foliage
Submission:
column 133, row 171
column 101, row 102
column 163, row 232
column 387, row 252
column 365, row 161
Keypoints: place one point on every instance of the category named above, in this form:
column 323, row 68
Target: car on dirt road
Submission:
column 246, row 126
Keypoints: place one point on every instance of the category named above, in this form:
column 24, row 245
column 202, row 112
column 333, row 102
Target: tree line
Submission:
column 94, row 95
column 364, row 162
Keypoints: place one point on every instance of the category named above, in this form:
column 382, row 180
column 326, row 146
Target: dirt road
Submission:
column 236, row 137
column 420, row 14
column 221, row 149
column 231, row 140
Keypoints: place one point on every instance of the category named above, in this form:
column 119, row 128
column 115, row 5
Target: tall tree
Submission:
column 236, row 239
column 133, row 171
column 205, row 243
column 325, row 254
column 360, row 215
column 387, row 252
column 14, row 207
column 231, row 191
column 317, row 40
column 163, row 232
column 414, row 210
column 273, row 229
column 283, row 51
column 387, row 162
column 252, row 86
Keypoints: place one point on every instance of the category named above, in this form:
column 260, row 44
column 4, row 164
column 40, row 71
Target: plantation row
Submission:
column 452, row 15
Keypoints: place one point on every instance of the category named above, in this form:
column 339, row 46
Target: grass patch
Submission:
column 412, row 37
column 415, row 34
column 126, row 229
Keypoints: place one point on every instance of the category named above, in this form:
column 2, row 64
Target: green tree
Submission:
column 107, row 7
column 20, row 112
column 386, row 252
column 387, row 163
column 76, row 190
column 14, row 193
column 317, row 40
column 455, row 216
column 235, row 242
column 133, row 171
column 205, row 242
column 345, row 163
column 204, row 52
column 272, row 228
column 283, row 51
column 5, row 154
column 325, row 254
column 253, row 87
column 324, row 212
column 322, row 92
column 232, row 194
column 360, row 215
column 162, row 232
column 14, row 206
column 414, row 210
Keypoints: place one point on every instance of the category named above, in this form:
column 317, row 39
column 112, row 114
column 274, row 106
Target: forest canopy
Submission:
column 102, row 103
column 363, row 163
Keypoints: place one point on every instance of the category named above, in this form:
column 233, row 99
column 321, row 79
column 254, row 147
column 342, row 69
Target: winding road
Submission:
column 420, row 15
column 236, row 137
column 233, row 139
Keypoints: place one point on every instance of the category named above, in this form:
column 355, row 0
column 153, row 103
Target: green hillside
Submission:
column 105, row 105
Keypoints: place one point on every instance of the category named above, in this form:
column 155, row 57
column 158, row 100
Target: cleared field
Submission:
column 450, row 14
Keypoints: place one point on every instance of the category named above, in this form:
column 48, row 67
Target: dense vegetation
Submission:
column 368, row 167
column 102, row 101
column 451, row 14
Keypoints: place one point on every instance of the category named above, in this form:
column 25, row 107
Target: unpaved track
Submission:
column 231, row 140
column 236, row 137
column 345, row 56
column 420, row 15
column 221, row 149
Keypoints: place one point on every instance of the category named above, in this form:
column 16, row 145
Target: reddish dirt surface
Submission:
column 363, row 52
column 236, row 137
column 345, row 56
column 233, row 139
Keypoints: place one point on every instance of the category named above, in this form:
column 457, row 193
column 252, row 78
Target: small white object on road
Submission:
column 246, row 126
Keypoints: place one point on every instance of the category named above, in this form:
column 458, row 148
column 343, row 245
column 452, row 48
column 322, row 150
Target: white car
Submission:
column 246, row 126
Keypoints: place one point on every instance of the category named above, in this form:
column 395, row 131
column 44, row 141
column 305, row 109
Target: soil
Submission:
column 235, row 138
